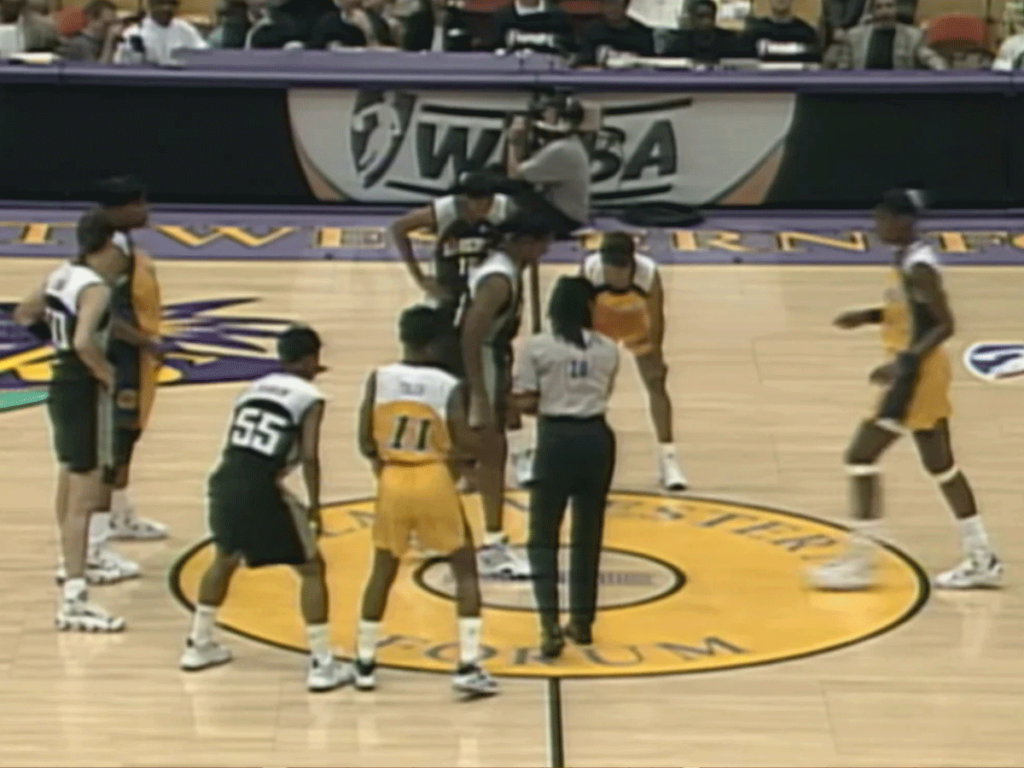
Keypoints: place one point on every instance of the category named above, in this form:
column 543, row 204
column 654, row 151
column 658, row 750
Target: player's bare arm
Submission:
column 464, row 439
column 309, row 452
column 93, row 303
column 656, row 311
column 399, row 231
column 855, row 318
column 494, row 293
column 925, row 283
column 30, row 310
column 125, row 331
column 367, row 445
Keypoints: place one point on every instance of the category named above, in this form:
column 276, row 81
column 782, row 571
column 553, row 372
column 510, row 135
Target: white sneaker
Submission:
column 849, row 573
column 474, row 681
column 522, row 463
column 105, row 567
column 131, row 528
column 498, row 560
column 210, row 654
column 670, row 475
column 327, row 675
column 365, row 675
column 977, row 571
column 81, row 616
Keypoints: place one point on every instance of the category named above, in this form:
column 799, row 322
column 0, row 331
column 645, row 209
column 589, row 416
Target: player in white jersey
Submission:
column 412, row 427
column 74, row 304
column 488, row 325
column 275, row 427
column 629, row 307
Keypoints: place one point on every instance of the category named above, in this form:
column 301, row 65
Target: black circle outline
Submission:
column 923, row 583
column 678, row 576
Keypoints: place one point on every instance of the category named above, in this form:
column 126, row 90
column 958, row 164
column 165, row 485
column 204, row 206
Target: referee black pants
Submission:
column 574, row 462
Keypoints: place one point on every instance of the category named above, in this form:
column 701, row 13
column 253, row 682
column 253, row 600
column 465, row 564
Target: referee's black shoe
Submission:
column 552, row 642
column 579, row 633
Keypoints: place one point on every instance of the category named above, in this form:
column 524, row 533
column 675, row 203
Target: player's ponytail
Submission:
column 570, row 309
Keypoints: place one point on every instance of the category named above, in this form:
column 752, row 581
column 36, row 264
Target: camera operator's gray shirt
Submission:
column 562, row 169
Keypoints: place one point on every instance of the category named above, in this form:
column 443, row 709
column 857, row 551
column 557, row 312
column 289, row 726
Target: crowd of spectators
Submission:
column 850, row 34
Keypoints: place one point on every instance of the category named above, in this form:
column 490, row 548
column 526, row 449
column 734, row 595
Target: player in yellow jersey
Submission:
column 915, row 321
column 413, row 428
column 630, row 308
column 134, row 351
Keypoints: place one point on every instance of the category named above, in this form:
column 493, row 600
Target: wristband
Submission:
column 873, row 315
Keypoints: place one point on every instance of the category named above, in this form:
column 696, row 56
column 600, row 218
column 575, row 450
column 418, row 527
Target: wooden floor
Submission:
column 766, row 396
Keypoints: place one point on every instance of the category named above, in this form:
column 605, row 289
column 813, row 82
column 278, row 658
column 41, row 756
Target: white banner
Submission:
column 406, row 147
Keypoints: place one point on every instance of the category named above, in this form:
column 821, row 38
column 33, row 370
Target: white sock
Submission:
column 519, row 441
column 121, row 505
column 865, row 534
column 202, row 624
column 319, row 639
column 973, row 536
column 469, row 640
column 99, row 530
column 492, row 538
column 667, row 451
column 74, row 590
column 366, row 642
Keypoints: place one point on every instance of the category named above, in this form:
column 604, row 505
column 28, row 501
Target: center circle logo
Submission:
column 626, row 579
column 686, row 585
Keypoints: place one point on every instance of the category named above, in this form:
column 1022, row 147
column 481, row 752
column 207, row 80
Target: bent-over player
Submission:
column 275, row 426
column 630, row 308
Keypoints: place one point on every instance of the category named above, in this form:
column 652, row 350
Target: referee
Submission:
column 565, row 377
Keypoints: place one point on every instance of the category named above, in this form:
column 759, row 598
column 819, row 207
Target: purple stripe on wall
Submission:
column 344, row 235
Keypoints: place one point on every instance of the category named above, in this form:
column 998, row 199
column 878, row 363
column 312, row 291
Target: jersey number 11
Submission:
column 419, row 432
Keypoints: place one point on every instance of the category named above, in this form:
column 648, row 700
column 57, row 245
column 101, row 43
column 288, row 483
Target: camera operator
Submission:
column 546, row 151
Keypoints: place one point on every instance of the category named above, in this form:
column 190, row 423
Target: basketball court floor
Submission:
column 709, row 650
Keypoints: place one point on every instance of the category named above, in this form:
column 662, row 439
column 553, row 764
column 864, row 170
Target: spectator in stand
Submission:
column 270, row 27
column 705, row 42
column 25, row 28
column 437, row 26
column 95, row 41
column 781, row 36
column 612, row 34
column 385, row 29
column 883, row 43
column 657, row 14
column 338, row 28
column 158, row 37
column 233, row 24
column 40, row 29
column 1011, row 52
column 532, row 25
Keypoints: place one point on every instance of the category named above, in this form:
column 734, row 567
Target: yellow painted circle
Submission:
column 687, row 585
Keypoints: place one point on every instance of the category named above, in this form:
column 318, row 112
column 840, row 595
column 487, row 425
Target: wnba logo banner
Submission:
column 995, row 361
column 407, row 147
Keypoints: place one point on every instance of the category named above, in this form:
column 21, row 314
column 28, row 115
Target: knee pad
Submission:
column 943, row 476
column 861, row 469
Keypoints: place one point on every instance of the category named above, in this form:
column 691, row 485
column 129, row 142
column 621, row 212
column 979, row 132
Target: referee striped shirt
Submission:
column 570, row 381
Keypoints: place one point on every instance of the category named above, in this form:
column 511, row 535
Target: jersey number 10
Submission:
column 58, row 329
column 258, row 430
column 410, row 434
